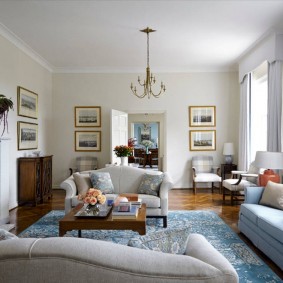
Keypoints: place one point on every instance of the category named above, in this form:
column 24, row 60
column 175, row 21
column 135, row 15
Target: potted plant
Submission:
column 5, row 105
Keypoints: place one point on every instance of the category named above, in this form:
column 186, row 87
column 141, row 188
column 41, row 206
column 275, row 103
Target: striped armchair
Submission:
column 85, row 163
column 205, row 172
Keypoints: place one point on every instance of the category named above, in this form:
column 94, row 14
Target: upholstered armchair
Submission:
column 235, row 187
column 205, row 172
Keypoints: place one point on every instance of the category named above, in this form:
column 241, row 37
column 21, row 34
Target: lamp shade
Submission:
column 269, row 160
column 228, row 148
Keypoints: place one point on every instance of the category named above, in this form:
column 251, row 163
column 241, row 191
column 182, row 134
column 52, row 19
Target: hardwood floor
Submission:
column 25, row 216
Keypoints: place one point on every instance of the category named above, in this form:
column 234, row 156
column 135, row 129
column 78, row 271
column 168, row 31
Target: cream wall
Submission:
column 112, row 91
column 18, row 69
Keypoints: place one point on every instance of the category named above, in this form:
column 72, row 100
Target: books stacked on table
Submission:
column 125, row 211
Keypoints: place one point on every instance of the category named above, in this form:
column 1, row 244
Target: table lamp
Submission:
column 228, row 151
column 268, row 160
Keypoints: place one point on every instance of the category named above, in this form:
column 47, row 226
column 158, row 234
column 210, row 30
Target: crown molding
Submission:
column 14, row 39
column 107, row 70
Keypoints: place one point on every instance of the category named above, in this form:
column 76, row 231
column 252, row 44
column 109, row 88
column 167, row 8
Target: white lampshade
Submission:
column 228, row 148
column 269, row 160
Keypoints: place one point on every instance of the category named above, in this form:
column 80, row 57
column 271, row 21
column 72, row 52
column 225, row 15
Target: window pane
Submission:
column 259, row 111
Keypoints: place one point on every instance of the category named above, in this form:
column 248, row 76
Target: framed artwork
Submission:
column 27, row 103
column 202, row 116
column 87, row 116
column 87, row 140
column 202, row 140
column 27, row 136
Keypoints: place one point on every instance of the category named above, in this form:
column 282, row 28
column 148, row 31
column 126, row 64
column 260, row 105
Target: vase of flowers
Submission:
column 147, row 144
column 93, row 198
column 123, row 151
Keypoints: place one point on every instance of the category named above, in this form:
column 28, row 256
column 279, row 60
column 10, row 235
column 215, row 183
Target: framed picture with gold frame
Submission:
column 27, row 103
column 87, row 140
column 87, row 116
column 202, row 116
column 202, row 140
column 27, row 136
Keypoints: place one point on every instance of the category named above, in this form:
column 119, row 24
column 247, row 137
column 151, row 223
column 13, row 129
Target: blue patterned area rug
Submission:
column 249, row 266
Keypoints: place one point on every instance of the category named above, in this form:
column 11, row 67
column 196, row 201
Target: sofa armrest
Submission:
column 199, row 248
column 70, row 187
column 253, row 194
column 166, row 186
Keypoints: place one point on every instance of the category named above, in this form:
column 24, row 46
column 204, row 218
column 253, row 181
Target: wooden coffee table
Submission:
column 71, row 222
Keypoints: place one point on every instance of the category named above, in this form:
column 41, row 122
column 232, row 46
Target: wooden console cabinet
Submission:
column 34, row 179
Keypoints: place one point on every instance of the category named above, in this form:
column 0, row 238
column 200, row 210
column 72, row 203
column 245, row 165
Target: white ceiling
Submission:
column 103, row 36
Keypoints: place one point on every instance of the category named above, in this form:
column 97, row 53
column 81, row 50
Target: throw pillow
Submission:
column 273, row 195
column 83, row 182
column 5, row 235
column 102, row 181
column 150, row 184
column 172, row 241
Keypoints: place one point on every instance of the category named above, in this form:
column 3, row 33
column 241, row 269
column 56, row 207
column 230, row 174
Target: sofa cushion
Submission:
column 272, row 195
column 254, row 211
column 172, row 241
column 150, row 184
column 272, row 226
column 102, row 181
column 5, row 235
column 83, row 182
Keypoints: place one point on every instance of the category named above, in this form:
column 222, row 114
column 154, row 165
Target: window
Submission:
column 258, row 110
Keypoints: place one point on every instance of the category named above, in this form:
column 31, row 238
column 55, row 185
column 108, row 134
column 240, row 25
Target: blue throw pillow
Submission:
column 102, row 181
column 172, row 241
column 150, row 184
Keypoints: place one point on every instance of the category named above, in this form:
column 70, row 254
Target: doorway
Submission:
column 149, row 126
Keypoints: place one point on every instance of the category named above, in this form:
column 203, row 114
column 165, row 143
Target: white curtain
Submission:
column 244, row 127
column 274, row 107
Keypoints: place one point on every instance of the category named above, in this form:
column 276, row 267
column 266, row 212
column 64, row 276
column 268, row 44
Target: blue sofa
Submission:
column 263, row 225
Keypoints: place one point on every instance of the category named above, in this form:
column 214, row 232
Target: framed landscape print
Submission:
column 202, row 140
column 27, row 136
column 27, row 103
column 202, row 116
column 87, row 140
column 87, row 116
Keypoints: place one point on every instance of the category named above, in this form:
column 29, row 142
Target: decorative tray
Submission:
column 100, row 214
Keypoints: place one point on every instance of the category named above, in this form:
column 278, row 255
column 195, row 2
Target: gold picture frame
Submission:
column 27, row 103
column 202, row 140
column 87, row 116
column 202, row 116
column 87, row 140
column 27, row 135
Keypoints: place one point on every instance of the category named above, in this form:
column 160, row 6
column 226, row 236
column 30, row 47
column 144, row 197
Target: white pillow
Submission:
column 273, row 195
column 83, row 182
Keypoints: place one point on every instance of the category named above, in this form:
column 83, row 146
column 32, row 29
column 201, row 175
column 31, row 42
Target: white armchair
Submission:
column 205, row 172
column 235, row 187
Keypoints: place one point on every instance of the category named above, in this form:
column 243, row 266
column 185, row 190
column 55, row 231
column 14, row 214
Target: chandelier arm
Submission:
column 150, row 78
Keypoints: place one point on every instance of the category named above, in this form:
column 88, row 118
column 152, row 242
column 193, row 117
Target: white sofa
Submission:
column 53, row 260
column 127, row 179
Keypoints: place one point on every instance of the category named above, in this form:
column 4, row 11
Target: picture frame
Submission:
column 202, row 140
column 87, row 140
column 27, row 135
column 27, row 103
column 202, row 116
column 87, row 116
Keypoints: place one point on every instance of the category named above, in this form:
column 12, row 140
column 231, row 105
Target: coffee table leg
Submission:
column 79, row 233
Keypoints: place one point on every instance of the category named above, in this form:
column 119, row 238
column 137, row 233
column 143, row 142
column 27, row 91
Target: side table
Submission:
column 227, row 169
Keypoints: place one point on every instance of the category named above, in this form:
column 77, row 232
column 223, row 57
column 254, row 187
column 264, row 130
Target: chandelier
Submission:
column 150, row 79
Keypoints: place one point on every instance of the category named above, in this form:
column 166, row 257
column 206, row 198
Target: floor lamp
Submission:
column 269, row 160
